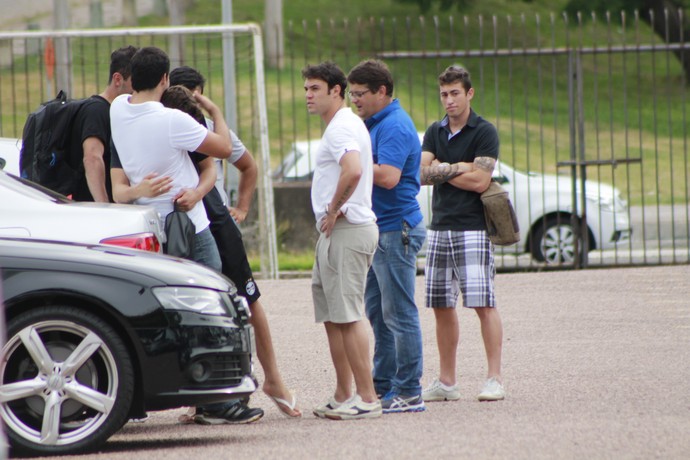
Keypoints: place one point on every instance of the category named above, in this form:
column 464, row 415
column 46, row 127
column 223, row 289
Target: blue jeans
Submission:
column 393, row 314
column 205, row 251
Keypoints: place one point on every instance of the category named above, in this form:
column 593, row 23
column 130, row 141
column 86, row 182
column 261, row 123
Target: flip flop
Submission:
column 280, row 402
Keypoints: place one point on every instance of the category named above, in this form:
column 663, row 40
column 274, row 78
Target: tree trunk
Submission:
column 274, row 33
column 664, row 17
column 129, row 13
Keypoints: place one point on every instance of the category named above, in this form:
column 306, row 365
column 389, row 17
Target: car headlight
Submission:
column 204, row 301
column 609, row 203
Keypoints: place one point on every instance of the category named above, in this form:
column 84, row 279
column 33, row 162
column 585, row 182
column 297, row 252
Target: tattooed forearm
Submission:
column 438, row 174
column 485, row 163
column 341, row 200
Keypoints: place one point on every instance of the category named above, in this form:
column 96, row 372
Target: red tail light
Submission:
column 142, row 241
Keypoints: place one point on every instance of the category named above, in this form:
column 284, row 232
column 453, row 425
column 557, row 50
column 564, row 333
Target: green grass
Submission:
column 525, row 96
column 287, row 261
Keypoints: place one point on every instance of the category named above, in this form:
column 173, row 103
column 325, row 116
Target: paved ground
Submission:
column 596, row 365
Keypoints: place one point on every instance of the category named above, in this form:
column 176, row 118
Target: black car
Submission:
column 97, row 335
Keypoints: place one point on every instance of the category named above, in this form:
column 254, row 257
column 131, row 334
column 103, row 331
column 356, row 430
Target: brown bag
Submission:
column 501, row 221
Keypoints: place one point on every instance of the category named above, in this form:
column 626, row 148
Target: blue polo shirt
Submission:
column 394, row 142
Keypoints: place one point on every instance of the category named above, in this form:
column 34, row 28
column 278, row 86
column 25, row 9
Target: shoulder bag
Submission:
column 501, row 221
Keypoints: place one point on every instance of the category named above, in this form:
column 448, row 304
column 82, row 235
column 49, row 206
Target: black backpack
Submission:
column 44, row 157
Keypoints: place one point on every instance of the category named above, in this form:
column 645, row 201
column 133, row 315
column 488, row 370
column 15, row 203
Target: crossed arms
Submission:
column 474, row 176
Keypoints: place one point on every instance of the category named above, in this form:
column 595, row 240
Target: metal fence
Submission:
column 35, row 65
column 586, row 107
column 582, row 104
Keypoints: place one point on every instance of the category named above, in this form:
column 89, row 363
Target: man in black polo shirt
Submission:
column 458, row 157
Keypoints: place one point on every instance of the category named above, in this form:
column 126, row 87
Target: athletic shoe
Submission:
column 354, row 408
column 438, row 391
column 236, row 414
column 320, row 411
column 492, row 391
column 394, row 402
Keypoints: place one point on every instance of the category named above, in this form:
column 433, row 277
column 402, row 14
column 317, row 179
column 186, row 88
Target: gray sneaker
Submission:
column 320, row 411
column 394, row 402
column 354, row 408
column 492, row 391
column 438, row 391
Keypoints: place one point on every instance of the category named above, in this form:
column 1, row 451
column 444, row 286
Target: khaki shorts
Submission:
column 341, row 263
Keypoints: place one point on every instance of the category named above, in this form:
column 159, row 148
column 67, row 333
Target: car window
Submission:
column 30, row 189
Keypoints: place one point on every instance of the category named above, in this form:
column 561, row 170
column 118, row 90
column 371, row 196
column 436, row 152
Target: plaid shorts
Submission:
column 459, row 262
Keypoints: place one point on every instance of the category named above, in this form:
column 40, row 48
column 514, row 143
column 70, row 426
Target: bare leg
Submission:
column 492, row 334
column 356, row 345
column 343, row 371
column 273, row 384
column 447, row 339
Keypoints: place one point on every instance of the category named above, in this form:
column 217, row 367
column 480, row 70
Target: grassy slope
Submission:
column 529, row 107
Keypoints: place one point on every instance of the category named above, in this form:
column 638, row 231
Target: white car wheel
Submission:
column 553, row 241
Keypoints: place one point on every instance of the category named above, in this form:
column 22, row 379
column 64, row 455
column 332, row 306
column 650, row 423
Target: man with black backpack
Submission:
column 66, row 142
column 90, row 137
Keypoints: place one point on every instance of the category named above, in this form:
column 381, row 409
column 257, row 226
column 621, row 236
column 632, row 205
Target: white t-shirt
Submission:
column 152, row 138
column 345, row 133
column 238, row 150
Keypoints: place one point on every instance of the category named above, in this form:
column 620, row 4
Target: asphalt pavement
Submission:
column 595, row 364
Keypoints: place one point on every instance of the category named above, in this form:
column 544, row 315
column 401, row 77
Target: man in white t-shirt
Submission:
column 152, row 142
column 236, row 265
column 341, row 200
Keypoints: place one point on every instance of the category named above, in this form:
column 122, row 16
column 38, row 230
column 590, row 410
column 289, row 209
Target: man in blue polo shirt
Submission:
column 389, row 295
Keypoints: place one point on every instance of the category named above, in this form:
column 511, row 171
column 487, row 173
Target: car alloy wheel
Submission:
column 553, row 241
column 66, row 381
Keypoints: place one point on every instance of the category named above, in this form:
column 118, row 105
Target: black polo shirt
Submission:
column 454, row 208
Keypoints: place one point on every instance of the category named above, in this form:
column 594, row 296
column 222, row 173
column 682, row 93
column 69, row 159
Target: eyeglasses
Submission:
column 358, row 94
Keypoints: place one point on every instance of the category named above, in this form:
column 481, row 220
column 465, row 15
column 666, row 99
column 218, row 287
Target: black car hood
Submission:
column 148, row 268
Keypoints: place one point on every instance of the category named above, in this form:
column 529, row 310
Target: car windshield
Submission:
column 30, row 189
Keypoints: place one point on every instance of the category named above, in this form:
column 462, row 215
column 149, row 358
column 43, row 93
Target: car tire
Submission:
column 73, row 362
column 553, row 241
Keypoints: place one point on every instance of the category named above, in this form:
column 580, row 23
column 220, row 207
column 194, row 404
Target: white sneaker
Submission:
column 320, row 411
column 355, row 408
column 492, row 391
column 439, row 391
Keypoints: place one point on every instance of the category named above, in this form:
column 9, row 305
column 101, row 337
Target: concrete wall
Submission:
column 295, row 225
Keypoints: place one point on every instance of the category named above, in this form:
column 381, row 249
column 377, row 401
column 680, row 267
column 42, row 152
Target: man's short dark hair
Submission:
column 454, row 74
column 120, row 62
column 148, row 67
column 188, row 77
column 374, row 74
column 181, row 98
column 328, row 72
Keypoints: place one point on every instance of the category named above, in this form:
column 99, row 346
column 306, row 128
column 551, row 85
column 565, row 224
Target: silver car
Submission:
column 543, row 204
column 31, row 211
column 9, row 154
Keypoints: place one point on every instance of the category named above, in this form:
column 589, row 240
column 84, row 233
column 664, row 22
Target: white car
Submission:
column 543, row 204
column 31, row 211
column 9, row 154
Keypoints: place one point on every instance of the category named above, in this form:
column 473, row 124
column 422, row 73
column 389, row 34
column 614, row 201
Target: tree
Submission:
column 667, row 18
column 444, row 5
